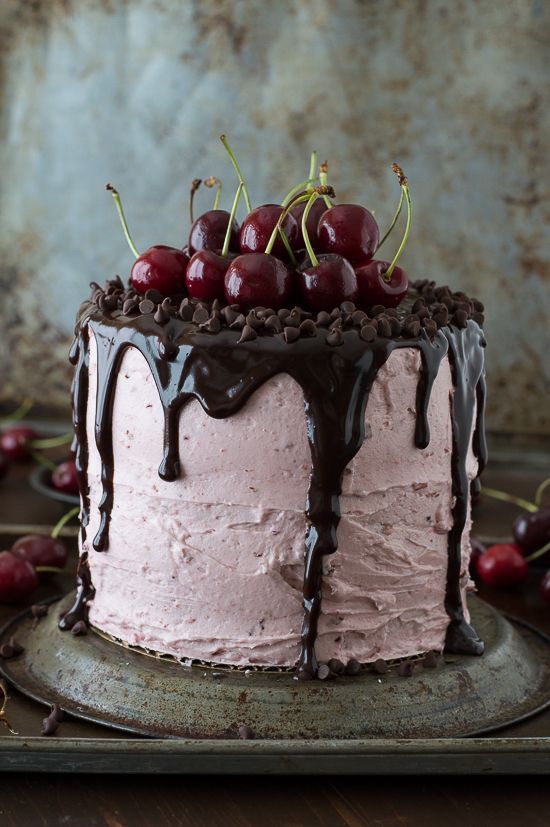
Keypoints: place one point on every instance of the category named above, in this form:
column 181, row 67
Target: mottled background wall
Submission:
column 138, row 92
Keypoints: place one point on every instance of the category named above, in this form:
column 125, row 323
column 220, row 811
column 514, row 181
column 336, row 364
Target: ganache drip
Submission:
column 336, row 383
column 85, row 592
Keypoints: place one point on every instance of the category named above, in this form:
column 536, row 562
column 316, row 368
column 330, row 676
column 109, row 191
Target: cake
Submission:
column 277, row 487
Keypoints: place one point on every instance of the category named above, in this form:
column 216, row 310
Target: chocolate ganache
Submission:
column 220, row 357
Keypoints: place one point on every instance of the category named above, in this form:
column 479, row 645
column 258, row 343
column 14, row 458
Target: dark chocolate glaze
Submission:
column 336, row 382
column 84, row 593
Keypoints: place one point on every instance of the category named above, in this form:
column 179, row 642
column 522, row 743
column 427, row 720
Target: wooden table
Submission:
column 129, row 801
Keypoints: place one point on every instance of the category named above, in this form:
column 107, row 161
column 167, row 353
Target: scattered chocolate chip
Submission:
column 130, row 306
column 253, row 321
column 384, row 327
column 186, row 310
column 430, row 327
column 213, row 325
column 460, row 318
column 335, row 337
column 80, row 628
column 160, row 315
column 478, row 306
column 167, row 349
column 430, row 660
column 229, row 314
column 200, row 315
column 353, row 667
column 448, row 302
column 292, row 320
column 359, row 317
column 308, row 328
column 245, row 733
column 146, row 306
column 380, row 666
column 405, row 669
column 411, row 328
column 441, row 317
column 377, row 310
column 323, row 671
column 303, row 675
column 39, row 610
column 107, row 303
column 216, row 305
column 283, row 313
column 418, row 305
column 16, row 647
column 347, row 307
column 368, row 333
column 153, row 295
column 6, row 651
column 335, row 314
column 479, row 318
column 49, row 725
column 273, row 323
column 337, row 323
column 423, row 313
column 336, row 666
column 248, row 334
column 395, row 325
column 323, row 319
column 291, row 334
column 238, row 323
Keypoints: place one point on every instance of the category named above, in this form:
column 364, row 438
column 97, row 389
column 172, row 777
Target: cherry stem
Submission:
column 310, row 251
column 394, row 220
column 53, row 442
column 298, row 199
column 41, row 460
column 404, row 184
column 19, row 413
column 303, row 185
column 64, row 519
column 120, row 210
column 231, row 154
column 50, row 569
column 540, row 491
column 225, row 248
column 323, row 179
column 214, row 182
column 538, row 553
column 509, row 498
column 195, row 184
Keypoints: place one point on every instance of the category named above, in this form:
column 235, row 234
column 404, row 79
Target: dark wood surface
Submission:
column 125, row 801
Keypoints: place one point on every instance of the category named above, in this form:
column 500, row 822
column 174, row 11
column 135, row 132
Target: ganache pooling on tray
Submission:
column 221, row 347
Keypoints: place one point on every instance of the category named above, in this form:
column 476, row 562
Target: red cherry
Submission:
column 532, row 531
column 41, row 551
column 503, row 565
column 258, row 279
column 476, row 550
column 315, row 213
column 327, row 285
column 160, row 268
column 209, row 229
column 350, row 231
column 17, row 578
column 374, row 289
column 258, row 225
column 15, row 443
column 205, row 274
column 545, row 586
column 65, row 478
column 4, row 464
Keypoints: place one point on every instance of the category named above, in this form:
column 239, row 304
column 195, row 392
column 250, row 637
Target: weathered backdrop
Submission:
column 138, row 93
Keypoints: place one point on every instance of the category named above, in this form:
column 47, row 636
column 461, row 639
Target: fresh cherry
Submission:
column 161, row 268
column 545, row 587
column 258, row 279
column 41, row 551
column 205, row 274
column 17, row 578
column 476, row 550
column 373, row 287
column 329, row 283
column 503, row 565
column 317, row 210
column 532, row 531
column 4, row 464
column 208, row 232
column 350, row 231
column 65, row 477
column 15, row 442
column 258, row 225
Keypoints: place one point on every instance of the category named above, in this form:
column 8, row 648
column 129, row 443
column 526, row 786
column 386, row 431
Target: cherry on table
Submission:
column 39, row 550
column 205, row 275
column 15, row 442
column 502, row 566
column 65, row 477
column 17, row 578
column 532, row 531
column 329, row 283
column 317, row 210
column 258, row 225
column 159, row 268
column 209, row 229
column 373, row 287
column 349, row 230
column 258, row 279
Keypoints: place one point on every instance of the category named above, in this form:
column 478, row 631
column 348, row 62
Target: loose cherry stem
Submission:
column 303, row 185
column 225, row 248
column 195, row 184
column 323, row 178
column 42, row 460
column 53, row 442
column 214, row 182
column 64, row 519
column 231, row 154
column 394, row 220
column 404, row 184
column 540, row 491
column 19, row 413
column 538, row 553
column 120, row 210
column 509, row 498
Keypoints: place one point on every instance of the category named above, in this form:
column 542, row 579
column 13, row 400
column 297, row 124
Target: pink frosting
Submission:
column 210, row 566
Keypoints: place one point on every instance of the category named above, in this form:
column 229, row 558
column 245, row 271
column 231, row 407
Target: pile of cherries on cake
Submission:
column 305, row 250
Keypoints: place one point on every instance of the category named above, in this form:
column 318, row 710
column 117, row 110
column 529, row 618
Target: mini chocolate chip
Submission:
column 304, row 314
column 245, row 733
column 229, row 314
column 160, row 315
column 335, row 665
column 337, row 323
column 153, row 295
column 39, row 610
column 479, row 318
column 94, row 286
column 353, row 667
column 49, row 725
column 292, row 320
column 412, row 328
column 80, row 628
column 200, row 315
column 335, row 314
column 418, row 305
column 6, row 651
column 107, row 303
column 213, row 325
column 291, row 334
column 186, row 310
column 391, row 311
column 478, row 306
column 380, row 666
column 448, row 302
column 146, row 306
column 303, row 675
column 422, row 313
column 359, row 317
column 323, row 672
column 254, row 321
column 283, row 312
column 430, row 660
column 368, row 333
column 335, row 337
column 248, row 334
column 17, row 648
column 377, row 310
column 395, row 325
column 238, row 323
column 323, row 319
column 441, row 317
column 384, row 327
column 167, row 349
column 216, row 304
column 347, row 307
column 430, row 327
column 130, row 306
column 405, row 669
column 273, row 323
column 308, row 328
column 460, row 318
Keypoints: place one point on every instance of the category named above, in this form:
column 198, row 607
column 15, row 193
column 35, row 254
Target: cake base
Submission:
column 98, row 680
